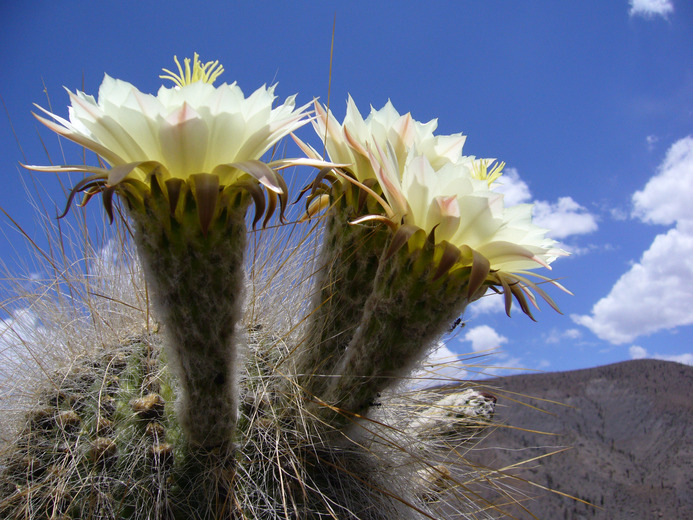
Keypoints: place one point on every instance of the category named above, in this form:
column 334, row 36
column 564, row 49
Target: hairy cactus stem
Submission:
column 192, row 251
column 410, row 307
column 347, row 266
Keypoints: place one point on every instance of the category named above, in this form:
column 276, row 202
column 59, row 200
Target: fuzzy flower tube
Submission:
column 350, row 255
column 453, row 240
column 185, row 163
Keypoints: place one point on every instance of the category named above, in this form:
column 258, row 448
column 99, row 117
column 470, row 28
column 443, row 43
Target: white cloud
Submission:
column 650, row 8
column 490, row 361
column 515, row 189
column 656, row 293
column 490, row 303
column 442, row 366
column 563, row 218
column 637, row 352
column 666, row 198
column 618, row 214
column 572, row 334
column 16, row 329
column 543, row 364
column 559, row 336
column 685, row 359
column 484, row 338
column 18, row 334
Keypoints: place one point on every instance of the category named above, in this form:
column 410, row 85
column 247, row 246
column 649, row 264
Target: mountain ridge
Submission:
column 627, row 431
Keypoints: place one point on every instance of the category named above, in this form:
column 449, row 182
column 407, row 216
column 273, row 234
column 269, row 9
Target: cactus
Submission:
column 226, row 409
column 103, row 440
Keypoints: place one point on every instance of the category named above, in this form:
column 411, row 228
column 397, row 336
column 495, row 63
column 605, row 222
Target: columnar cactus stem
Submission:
column 347, row 266
column 408, row 309
column 414, row 233
column 197, row 281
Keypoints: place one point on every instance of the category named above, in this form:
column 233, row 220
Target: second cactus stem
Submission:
column 409, row 308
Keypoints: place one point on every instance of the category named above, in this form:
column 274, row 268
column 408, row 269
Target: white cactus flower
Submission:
column 185, row 131
column 352, row 142
column 455, row 207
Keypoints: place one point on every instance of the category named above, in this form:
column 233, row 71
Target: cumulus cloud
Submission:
column 490, row 361
column 685, row 359
column 638, row 352
column 515, row 190
column 14, row 331
column 563, row 218
column 572, row 334
column 560, row 336
column 543, row 364
column 490, row 303
column 442, row 366
column 618, row 214
column 666, row 198
column 656, row 293
column 484, row 338
column 18, row 333
column 651, row 8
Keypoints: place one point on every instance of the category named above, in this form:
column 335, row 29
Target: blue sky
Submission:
column 589, row 103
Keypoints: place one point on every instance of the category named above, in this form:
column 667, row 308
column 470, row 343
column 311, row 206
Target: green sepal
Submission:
column 206, row 192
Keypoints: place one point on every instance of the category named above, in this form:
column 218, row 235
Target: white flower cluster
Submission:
column 197, row 133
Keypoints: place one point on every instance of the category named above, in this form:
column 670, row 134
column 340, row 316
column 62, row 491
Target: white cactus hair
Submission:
column 87, row 300
column 63, row 302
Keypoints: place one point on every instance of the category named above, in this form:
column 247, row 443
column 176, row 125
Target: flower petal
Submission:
column 260, row 171
column 183, row 136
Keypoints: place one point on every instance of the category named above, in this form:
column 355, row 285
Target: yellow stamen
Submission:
column 480, row 171
column 206, row 72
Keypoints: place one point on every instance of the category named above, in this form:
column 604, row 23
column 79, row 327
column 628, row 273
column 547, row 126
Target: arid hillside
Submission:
column 628, row 430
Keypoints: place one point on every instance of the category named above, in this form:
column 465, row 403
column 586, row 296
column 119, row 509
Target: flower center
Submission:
column 480, row 171
column 206, row 72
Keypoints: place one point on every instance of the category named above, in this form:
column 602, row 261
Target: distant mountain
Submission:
column 629, row 427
